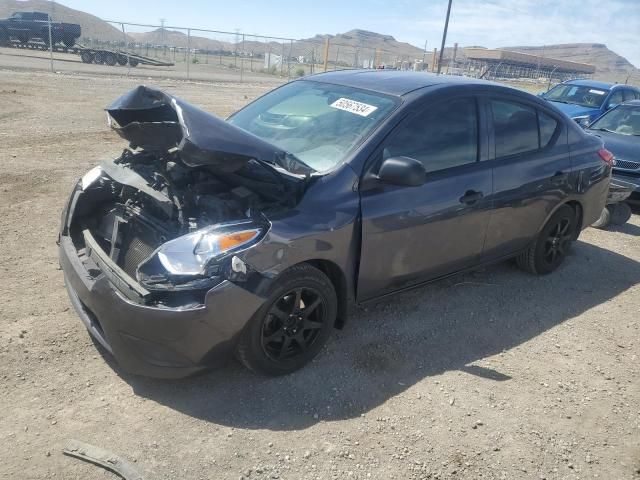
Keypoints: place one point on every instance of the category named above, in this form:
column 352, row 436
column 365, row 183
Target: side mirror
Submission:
column 583, row 122
column 402, row 171
column 541, row 94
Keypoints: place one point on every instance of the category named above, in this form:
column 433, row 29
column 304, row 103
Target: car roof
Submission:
column 391, row 82
column 597, row 84
column 590, row 83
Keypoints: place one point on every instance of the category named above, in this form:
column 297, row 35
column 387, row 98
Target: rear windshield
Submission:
column 319, row 123
column 577, row 95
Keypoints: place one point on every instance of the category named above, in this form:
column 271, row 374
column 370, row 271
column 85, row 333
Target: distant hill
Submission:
column 92, row 26
column 597, row 54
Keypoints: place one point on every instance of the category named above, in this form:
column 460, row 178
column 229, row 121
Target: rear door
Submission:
column 412, row 234
column 531, row 165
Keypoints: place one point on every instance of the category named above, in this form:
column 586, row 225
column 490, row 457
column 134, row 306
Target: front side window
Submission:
column 441, row 137
column 319, row 123
column 584, row 96
column 630, row 95
column 515, row 127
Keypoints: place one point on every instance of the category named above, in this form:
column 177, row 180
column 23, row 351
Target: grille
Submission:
column 137, row 245
column 627, row 164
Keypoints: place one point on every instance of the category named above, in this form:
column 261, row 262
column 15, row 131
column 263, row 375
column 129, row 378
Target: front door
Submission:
column 413, row 234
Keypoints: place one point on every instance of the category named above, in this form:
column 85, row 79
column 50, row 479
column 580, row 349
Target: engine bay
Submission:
column 142, row 200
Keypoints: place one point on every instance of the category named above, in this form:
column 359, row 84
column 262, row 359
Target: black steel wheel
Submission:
column 293, row 325
column 552, row 243
column 133, row 62
column 98, row 57
column 122, row 60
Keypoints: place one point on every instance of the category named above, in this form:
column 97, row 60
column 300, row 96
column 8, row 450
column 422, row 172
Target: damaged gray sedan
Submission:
column 250, row 236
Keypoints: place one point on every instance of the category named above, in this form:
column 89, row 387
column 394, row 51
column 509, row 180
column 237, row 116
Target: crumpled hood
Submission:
column 575, row 110
column 156, row 122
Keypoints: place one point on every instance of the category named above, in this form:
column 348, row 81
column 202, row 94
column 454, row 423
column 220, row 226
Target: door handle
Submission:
column 470, row 197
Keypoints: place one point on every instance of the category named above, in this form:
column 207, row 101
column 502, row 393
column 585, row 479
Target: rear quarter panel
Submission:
column 590, row 175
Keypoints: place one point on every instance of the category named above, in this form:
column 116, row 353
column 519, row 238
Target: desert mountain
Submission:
column 596, row 54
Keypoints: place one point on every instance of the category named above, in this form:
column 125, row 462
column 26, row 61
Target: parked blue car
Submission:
column 586, row 100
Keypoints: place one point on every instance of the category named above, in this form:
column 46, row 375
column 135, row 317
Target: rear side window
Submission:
column 616, row 98
column 630, row 95
column 443, row 136
column 548, row 127
column 515, row 127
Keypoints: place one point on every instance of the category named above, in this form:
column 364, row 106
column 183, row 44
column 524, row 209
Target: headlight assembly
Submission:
column 191, row 254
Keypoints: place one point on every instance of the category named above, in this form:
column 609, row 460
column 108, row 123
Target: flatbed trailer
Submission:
column 95, row 55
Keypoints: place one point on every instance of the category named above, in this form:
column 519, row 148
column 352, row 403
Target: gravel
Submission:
column 496, row 374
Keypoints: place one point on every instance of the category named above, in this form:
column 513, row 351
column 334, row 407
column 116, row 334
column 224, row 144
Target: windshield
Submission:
column 624, row 120
column 317, row 122
column 584, row 96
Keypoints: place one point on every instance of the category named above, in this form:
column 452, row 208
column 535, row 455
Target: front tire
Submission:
column 552, row 244
column 621, row 213
column 293, row 325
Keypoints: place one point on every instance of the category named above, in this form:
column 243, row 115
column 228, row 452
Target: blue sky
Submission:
column 490, row 23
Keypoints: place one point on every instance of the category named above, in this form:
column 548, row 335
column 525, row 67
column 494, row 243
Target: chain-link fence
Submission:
column 159, row 50
column 164, row 51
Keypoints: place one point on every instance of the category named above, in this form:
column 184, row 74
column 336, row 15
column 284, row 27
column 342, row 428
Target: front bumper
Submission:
column 156, row 341
column 631, row 180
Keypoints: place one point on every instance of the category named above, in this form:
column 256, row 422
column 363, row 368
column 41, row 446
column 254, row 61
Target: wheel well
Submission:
column 335, row 274
column 577, row 208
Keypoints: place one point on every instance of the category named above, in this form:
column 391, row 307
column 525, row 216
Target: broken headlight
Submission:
column 196, row 254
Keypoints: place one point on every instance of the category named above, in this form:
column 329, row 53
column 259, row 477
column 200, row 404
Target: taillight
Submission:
column 607, row 156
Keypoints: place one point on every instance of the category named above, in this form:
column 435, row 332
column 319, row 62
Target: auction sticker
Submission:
column 359, row 108
column 597, row 92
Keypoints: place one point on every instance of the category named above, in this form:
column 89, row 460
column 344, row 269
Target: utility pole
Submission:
column 444, row 36
column 424, row 53
column 162, row 20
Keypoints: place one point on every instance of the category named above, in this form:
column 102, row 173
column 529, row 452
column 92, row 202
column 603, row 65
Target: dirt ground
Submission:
column 494, row 375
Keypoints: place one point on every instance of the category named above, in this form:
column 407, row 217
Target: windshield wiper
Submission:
column 603, row 130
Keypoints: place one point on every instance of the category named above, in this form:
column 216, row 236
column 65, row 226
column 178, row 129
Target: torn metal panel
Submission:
column 103, row 458
column 156, row 121
column 127, row 176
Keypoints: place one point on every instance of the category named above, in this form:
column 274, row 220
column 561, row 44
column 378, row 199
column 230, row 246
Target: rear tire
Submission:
column 98, row 58
column 621, row 213
column 122, row 60
column 110, row 59
column 86, row 57
column 293, row 325
column 604, row 220
column 133, row 62
column 552, row 244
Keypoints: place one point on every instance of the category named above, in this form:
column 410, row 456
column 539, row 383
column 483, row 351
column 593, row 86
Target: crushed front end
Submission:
column 149, row 241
